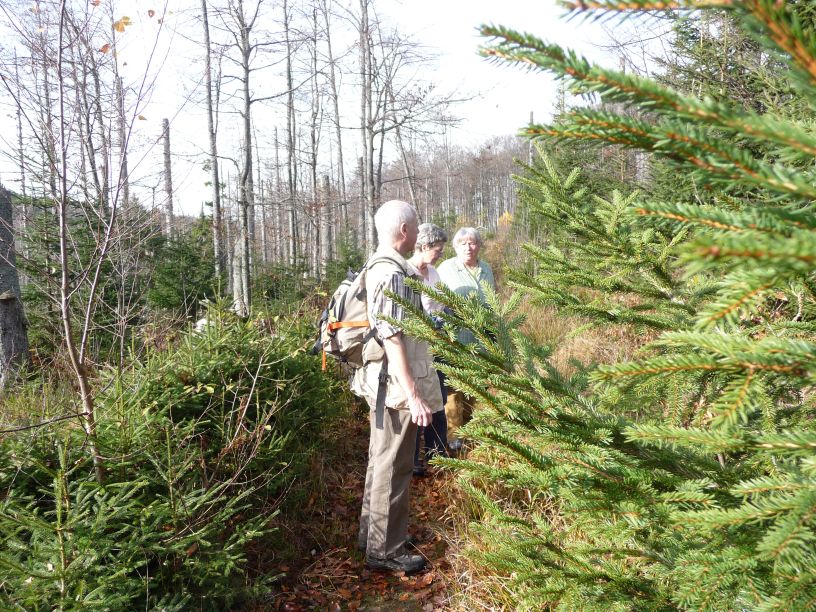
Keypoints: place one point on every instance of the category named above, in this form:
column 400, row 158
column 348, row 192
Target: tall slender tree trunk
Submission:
column 21, row 159
column 335, row 96
column 363, row 224
column 367, row 126
column 281, row 254
column 246, row 178
column 168, row 181
column 75, row 354
column 105, row 155
column 217, row 221
column 266, row 196
column 124, row 179
column 290, row 141
column 228, row 240
column 317, row 201
column 326, row 225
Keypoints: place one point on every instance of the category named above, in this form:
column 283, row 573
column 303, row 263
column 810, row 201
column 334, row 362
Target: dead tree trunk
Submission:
column 13, row 337
column 290, row 140
column 124, row 179
column 325, row 226
column 168, row 181
column 246, row 178
column 367, row 127
column 335, row 96
column 217, row 228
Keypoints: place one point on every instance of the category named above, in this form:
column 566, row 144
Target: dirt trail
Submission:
column 331, row 575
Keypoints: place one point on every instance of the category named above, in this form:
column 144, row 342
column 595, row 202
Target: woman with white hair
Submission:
column 465, row 275
column 430, row 243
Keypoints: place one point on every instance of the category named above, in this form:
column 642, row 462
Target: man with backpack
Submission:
column 397, row 374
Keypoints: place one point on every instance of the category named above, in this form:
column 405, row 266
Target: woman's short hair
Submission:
column 464, row 233
column 429, row 234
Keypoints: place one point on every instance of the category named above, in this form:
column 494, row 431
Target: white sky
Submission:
column 507, row 94
column 502, row 96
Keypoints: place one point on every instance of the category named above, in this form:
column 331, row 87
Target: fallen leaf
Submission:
column 427, row 579
column 105, row 48
column 151, row 12
column 142, row 118
column 95, row 2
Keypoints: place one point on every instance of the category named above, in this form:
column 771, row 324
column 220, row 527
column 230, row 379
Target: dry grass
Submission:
column 35, row 401
column 573, row 343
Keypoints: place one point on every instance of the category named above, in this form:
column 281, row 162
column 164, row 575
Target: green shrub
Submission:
column 200, row 443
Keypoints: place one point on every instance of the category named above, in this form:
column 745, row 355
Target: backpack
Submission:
column 343, row 328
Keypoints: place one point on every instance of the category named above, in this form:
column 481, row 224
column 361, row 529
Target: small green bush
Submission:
column 200, row 443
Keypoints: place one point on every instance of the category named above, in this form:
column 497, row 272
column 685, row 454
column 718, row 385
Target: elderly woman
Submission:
column 430, row 243
column 465, row 274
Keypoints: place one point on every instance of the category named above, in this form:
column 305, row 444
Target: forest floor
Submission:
column 327, row 571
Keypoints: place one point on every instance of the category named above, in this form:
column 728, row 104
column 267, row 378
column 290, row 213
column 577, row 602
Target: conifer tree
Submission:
column 685, row 479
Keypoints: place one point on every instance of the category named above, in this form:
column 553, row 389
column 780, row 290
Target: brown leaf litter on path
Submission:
column 331, row 573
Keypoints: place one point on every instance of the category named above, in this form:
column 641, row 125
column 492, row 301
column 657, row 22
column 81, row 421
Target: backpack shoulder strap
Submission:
column 377, row 259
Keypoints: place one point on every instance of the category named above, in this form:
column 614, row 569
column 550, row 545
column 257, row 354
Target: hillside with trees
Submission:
column 643, row 437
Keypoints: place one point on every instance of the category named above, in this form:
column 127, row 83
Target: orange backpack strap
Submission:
column 339, row 324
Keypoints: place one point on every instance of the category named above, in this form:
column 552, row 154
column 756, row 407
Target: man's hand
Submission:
column 399, row 368
column 420, row 411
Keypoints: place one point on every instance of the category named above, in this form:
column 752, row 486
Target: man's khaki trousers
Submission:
column 384, row 519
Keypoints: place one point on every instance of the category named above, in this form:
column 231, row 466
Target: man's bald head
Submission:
column 396, row 222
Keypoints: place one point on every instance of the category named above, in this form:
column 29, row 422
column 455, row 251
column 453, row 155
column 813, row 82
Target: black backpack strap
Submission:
column 379, row 410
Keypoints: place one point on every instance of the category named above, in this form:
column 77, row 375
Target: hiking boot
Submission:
column 419, row 472
column 410, row 542
column 410, row 564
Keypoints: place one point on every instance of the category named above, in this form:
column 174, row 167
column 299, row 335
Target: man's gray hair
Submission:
column 467, row 232
column 389, row 217
column 429, row 234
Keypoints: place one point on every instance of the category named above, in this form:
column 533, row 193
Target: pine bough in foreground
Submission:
column 686, row 479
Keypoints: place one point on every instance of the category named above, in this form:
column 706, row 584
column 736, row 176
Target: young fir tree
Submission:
column 687, row 479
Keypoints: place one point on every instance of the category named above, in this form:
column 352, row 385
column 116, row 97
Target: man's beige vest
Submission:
column 366, row 379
